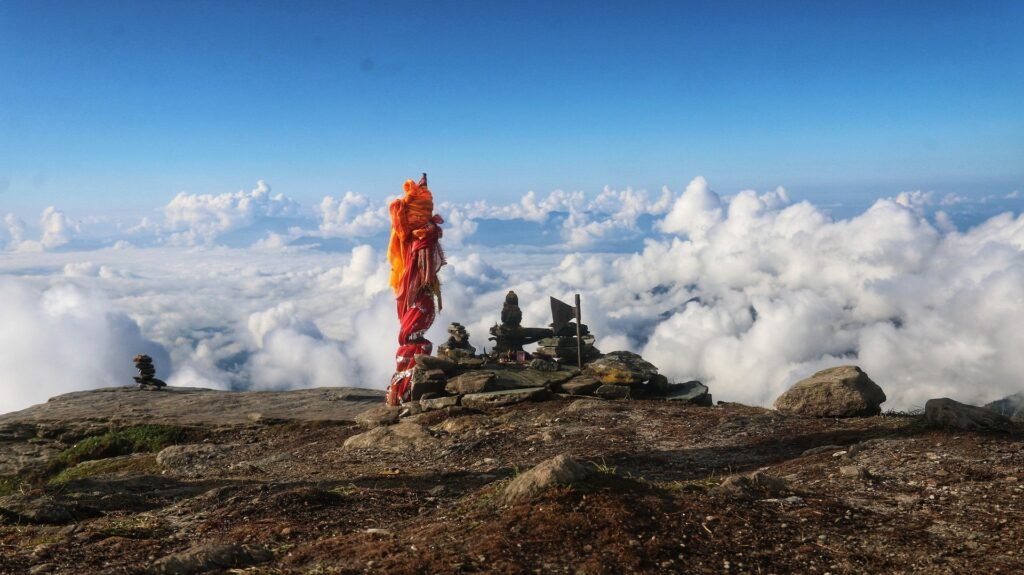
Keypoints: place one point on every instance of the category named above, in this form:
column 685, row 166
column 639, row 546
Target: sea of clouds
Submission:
column 747, row 292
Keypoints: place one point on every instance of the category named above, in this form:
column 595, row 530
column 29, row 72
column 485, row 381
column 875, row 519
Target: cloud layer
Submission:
column 748, row 292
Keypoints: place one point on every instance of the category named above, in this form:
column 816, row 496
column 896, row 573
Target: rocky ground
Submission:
column 189, row 481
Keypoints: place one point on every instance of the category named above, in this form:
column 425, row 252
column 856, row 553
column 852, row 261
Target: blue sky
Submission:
column 118, row 106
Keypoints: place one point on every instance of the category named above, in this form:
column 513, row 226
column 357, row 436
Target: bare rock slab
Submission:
column 948, row 413
column 398, row 438
column 621, row 368
column 843, row 391
column 559, row 470
column 508, row 397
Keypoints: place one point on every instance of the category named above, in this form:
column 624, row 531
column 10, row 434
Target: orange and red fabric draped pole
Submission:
column 416, row 256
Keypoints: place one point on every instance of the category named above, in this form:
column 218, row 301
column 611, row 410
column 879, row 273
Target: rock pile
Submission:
column 147, row 373
column 439, row 383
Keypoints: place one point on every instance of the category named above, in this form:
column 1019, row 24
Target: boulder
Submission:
column 559, row 470
column 507, row 397
column 622, row 368
column 477, row 381
column 693, row 392
column 1011, row 406
column 403, row 437
column 843, row 391
column 948, row 413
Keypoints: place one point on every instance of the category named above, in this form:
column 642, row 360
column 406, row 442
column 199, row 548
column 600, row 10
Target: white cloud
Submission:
column 354, row 215
column 694, row 212
column 56, row 230
column 198, row 219
column 64, row 338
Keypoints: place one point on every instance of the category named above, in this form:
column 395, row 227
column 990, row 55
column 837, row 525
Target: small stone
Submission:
column 439, row 402
column 854, row 471
column 399, row 438
column 377, row 416
column 756, row 485
column 560, row 470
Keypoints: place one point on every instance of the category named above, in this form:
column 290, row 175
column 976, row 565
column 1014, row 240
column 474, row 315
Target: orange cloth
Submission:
column 410, row 216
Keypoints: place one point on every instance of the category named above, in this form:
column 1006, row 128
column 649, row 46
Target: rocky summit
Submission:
column 497, row 476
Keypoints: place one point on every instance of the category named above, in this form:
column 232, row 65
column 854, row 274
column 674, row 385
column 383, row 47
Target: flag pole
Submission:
column 579, row 338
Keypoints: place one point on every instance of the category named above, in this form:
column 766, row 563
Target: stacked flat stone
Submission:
column 562, row 348
column 147, row 373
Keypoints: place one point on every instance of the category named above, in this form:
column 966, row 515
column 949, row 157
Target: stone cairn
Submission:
column 510, row 336
column 457, row 347
column 147, row 373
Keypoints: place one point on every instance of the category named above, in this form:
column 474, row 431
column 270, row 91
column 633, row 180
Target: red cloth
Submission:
column 415, row 321
column 416, row 257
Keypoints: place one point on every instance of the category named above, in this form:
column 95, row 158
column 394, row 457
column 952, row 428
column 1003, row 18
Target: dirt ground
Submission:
column 884, row 494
